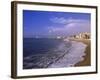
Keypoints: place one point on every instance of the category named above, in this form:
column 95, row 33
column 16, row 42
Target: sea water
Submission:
column 42, row 52
column 51, row 53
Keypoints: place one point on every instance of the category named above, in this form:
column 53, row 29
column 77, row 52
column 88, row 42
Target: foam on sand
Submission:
column 76, row 54
column 67, row 54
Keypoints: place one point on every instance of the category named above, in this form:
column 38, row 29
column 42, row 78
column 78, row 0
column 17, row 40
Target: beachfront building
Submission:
column 82, row 36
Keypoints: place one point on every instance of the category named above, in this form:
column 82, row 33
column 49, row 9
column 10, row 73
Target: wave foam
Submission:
column 65, row 55
column 74, row 56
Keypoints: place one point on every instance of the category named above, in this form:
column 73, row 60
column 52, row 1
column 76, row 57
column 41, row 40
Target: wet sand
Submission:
column 87, row 57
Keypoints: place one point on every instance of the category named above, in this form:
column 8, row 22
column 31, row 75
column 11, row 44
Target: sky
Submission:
column 52, row 24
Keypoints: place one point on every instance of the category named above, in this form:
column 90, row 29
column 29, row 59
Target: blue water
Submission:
column 33, row 46
column 41, row 52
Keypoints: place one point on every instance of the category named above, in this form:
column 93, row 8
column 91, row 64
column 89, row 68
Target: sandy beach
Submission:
column 87, row 57
column 73, row 52
column 72, row 57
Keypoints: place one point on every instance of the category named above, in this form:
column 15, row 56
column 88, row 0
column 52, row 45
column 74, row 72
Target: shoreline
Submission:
column 74, row 55
column 87, row 57
column 77, row 55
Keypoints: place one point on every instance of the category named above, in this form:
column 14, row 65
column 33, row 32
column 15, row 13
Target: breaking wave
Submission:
column 65, row 55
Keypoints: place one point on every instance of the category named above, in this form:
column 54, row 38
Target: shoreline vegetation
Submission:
column 87, row 57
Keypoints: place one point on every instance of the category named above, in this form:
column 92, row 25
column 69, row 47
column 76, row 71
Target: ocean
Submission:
column 33, row 46
column 42, row 52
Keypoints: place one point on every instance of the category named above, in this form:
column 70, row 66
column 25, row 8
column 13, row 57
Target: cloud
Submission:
column 69, row 25
column 60, row 20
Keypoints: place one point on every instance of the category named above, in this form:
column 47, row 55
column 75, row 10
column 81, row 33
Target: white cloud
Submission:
column 69, row 20
column 70, row 25
column 60, row 20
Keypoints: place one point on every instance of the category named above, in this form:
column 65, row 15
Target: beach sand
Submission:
column 87, row 57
